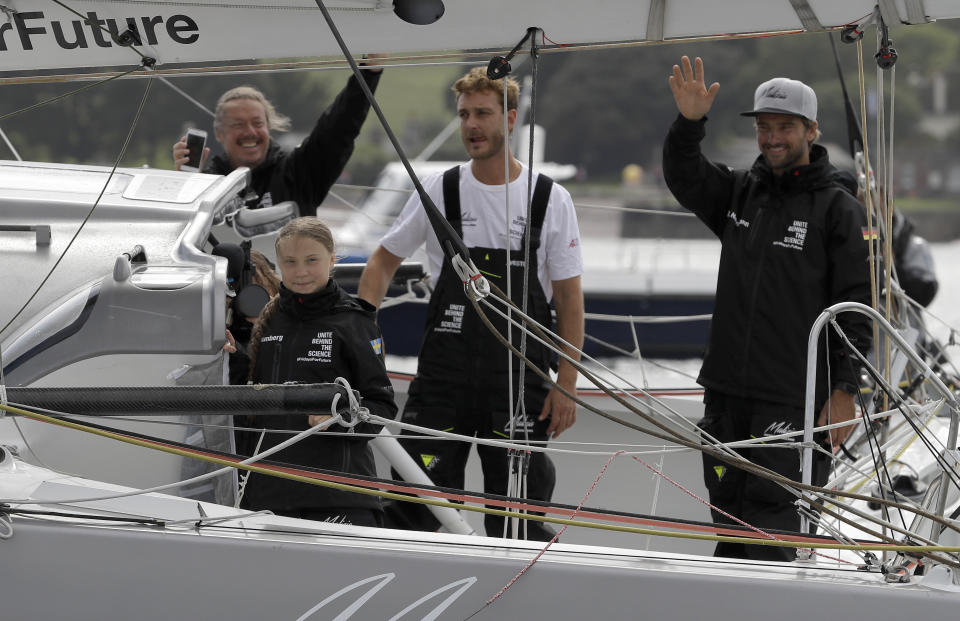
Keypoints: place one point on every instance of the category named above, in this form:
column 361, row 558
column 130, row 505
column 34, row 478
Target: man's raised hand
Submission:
column 690, row 90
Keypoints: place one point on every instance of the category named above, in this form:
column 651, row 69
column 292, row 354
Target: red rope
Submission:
column 557, row 536
column 502, row 504
column 721, row 511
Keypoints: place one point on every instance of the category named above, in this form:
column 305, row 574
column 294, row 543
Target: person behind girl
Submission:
column 240, row 326
column 313, row 332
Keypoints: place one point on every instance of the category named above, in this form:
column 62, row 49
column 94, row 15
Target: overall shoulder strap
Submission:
column 451, row 199
column 538, row 207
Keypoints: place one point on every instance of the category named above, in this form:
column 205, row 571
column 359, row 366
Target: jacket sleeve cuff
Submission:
column 682, row 123
column 848, row 387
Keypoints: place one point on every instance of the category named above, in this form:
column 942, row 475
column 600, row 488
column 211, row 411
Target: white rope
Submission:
column 659, row 212
column 540, row 446
column 198, row 479
column 242, row 483
column 514, row 481
column 627, row 385
column 647, row 319
column 186, row 95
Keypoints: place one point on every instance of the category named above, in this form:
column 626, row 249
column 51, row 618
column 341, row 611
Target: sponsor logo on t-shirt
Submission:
column 272, row 338
column 517, row 226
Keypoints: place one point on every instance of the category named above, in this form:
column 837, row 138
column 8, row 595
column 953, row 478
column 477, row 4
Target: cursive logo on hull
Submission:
column 374, row 584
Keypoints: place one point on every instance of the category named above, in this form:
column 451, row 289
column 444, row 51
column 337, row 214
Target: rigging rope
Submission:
column 125, row 144
column 310, row 477
column 720, row 452
column 553, row 539
column 877, row 377
column 305, row 65
column 71, row 93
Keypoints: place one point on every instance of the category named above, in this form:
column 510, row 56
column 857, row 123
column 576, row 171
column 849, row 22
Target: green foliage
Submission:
column 606, row 109
column 602, row 109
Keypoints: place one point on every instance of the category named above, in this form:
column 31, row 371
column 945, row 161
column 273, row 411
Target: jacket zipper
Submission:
column 751, row 239
column 275, row 371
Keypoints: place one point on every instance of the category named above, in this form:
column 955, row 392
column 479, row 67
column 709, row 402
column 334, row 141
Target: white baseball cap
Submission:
column 784, row 96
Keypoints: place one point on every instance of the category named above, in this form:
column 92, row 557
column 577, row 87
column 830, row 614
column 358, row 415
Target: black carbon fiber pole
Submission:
column 265, row 399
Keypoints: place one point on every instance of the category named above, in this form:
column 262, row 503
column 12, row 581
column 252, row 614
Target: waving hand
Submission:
column 690, row 90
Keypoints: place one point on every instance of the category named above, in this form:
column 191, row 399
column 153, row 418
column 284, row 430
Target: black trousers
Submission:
column 758, row 502
column 484, row 415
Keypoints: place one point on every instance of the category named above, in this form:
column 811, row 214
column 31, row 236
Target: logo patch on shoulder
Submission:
column 377, row 345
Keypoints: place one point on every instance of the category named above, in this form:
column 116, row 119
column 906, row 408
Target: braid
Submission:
column 258, row 328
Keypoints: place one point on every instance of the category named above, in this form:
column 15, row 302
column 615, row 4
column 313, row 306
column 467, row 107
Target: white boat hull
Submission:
column 64, row 570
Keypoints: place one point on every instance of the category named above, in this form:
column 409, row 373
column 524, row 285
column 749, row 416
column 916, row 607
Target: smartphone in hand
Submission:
column 196, row 141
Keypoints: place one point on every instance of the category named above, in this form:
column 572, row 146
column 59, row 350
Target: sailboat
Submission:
column 114, row 294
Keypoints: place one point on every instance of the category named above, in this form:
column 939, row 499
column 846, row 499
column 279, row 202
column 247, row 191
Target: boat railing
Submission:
column 829, row 315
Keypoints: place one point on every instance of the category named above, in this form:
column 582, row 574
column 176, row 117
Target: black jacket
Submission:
column 310, row 339
column 305, row 174
column 792, row 245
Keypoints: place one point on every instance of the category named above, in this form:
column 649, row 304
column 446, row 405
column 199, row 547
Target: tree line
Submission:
column 602, row 109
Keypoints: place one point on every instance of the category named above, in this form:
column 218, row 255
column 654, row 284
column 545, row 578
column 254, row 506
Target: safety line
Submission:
column 797, row 540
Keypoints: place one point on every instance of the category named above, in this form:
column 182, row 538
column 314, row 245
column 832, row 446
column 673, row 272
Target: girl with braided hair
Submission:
column 314, row 332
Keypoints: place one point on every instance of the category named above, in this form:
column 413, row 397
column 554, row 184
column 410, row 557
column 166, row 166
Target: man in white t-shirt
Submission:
column 463, row 375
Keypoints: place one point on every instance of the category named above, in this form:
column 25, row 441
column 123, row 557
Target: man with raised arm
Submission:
column 793, row 243
column 243, row 122
column 462, row 377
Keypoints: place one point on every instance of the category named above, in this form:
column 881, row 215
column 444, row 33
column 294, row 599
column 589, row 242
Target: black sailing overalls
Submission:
column 461, row 384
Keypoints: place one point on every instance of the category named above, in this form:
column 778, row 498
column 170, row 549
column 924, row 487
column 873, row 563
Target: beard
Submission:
column 793, row 155
column 492, row 146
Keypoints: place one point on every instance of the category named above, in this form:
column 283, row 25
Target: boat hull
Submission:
column 222, row 573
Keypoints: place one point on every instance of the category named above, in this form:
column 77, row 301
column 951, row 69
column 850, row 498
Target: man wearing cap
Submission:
column 792, row 244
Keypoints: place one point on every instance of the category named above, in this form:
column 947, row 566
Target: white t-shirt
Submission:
column 483, row 211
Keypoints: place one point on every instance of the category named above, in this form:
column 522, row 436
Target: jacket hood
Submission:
column 817, row 174
column 330, row 299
